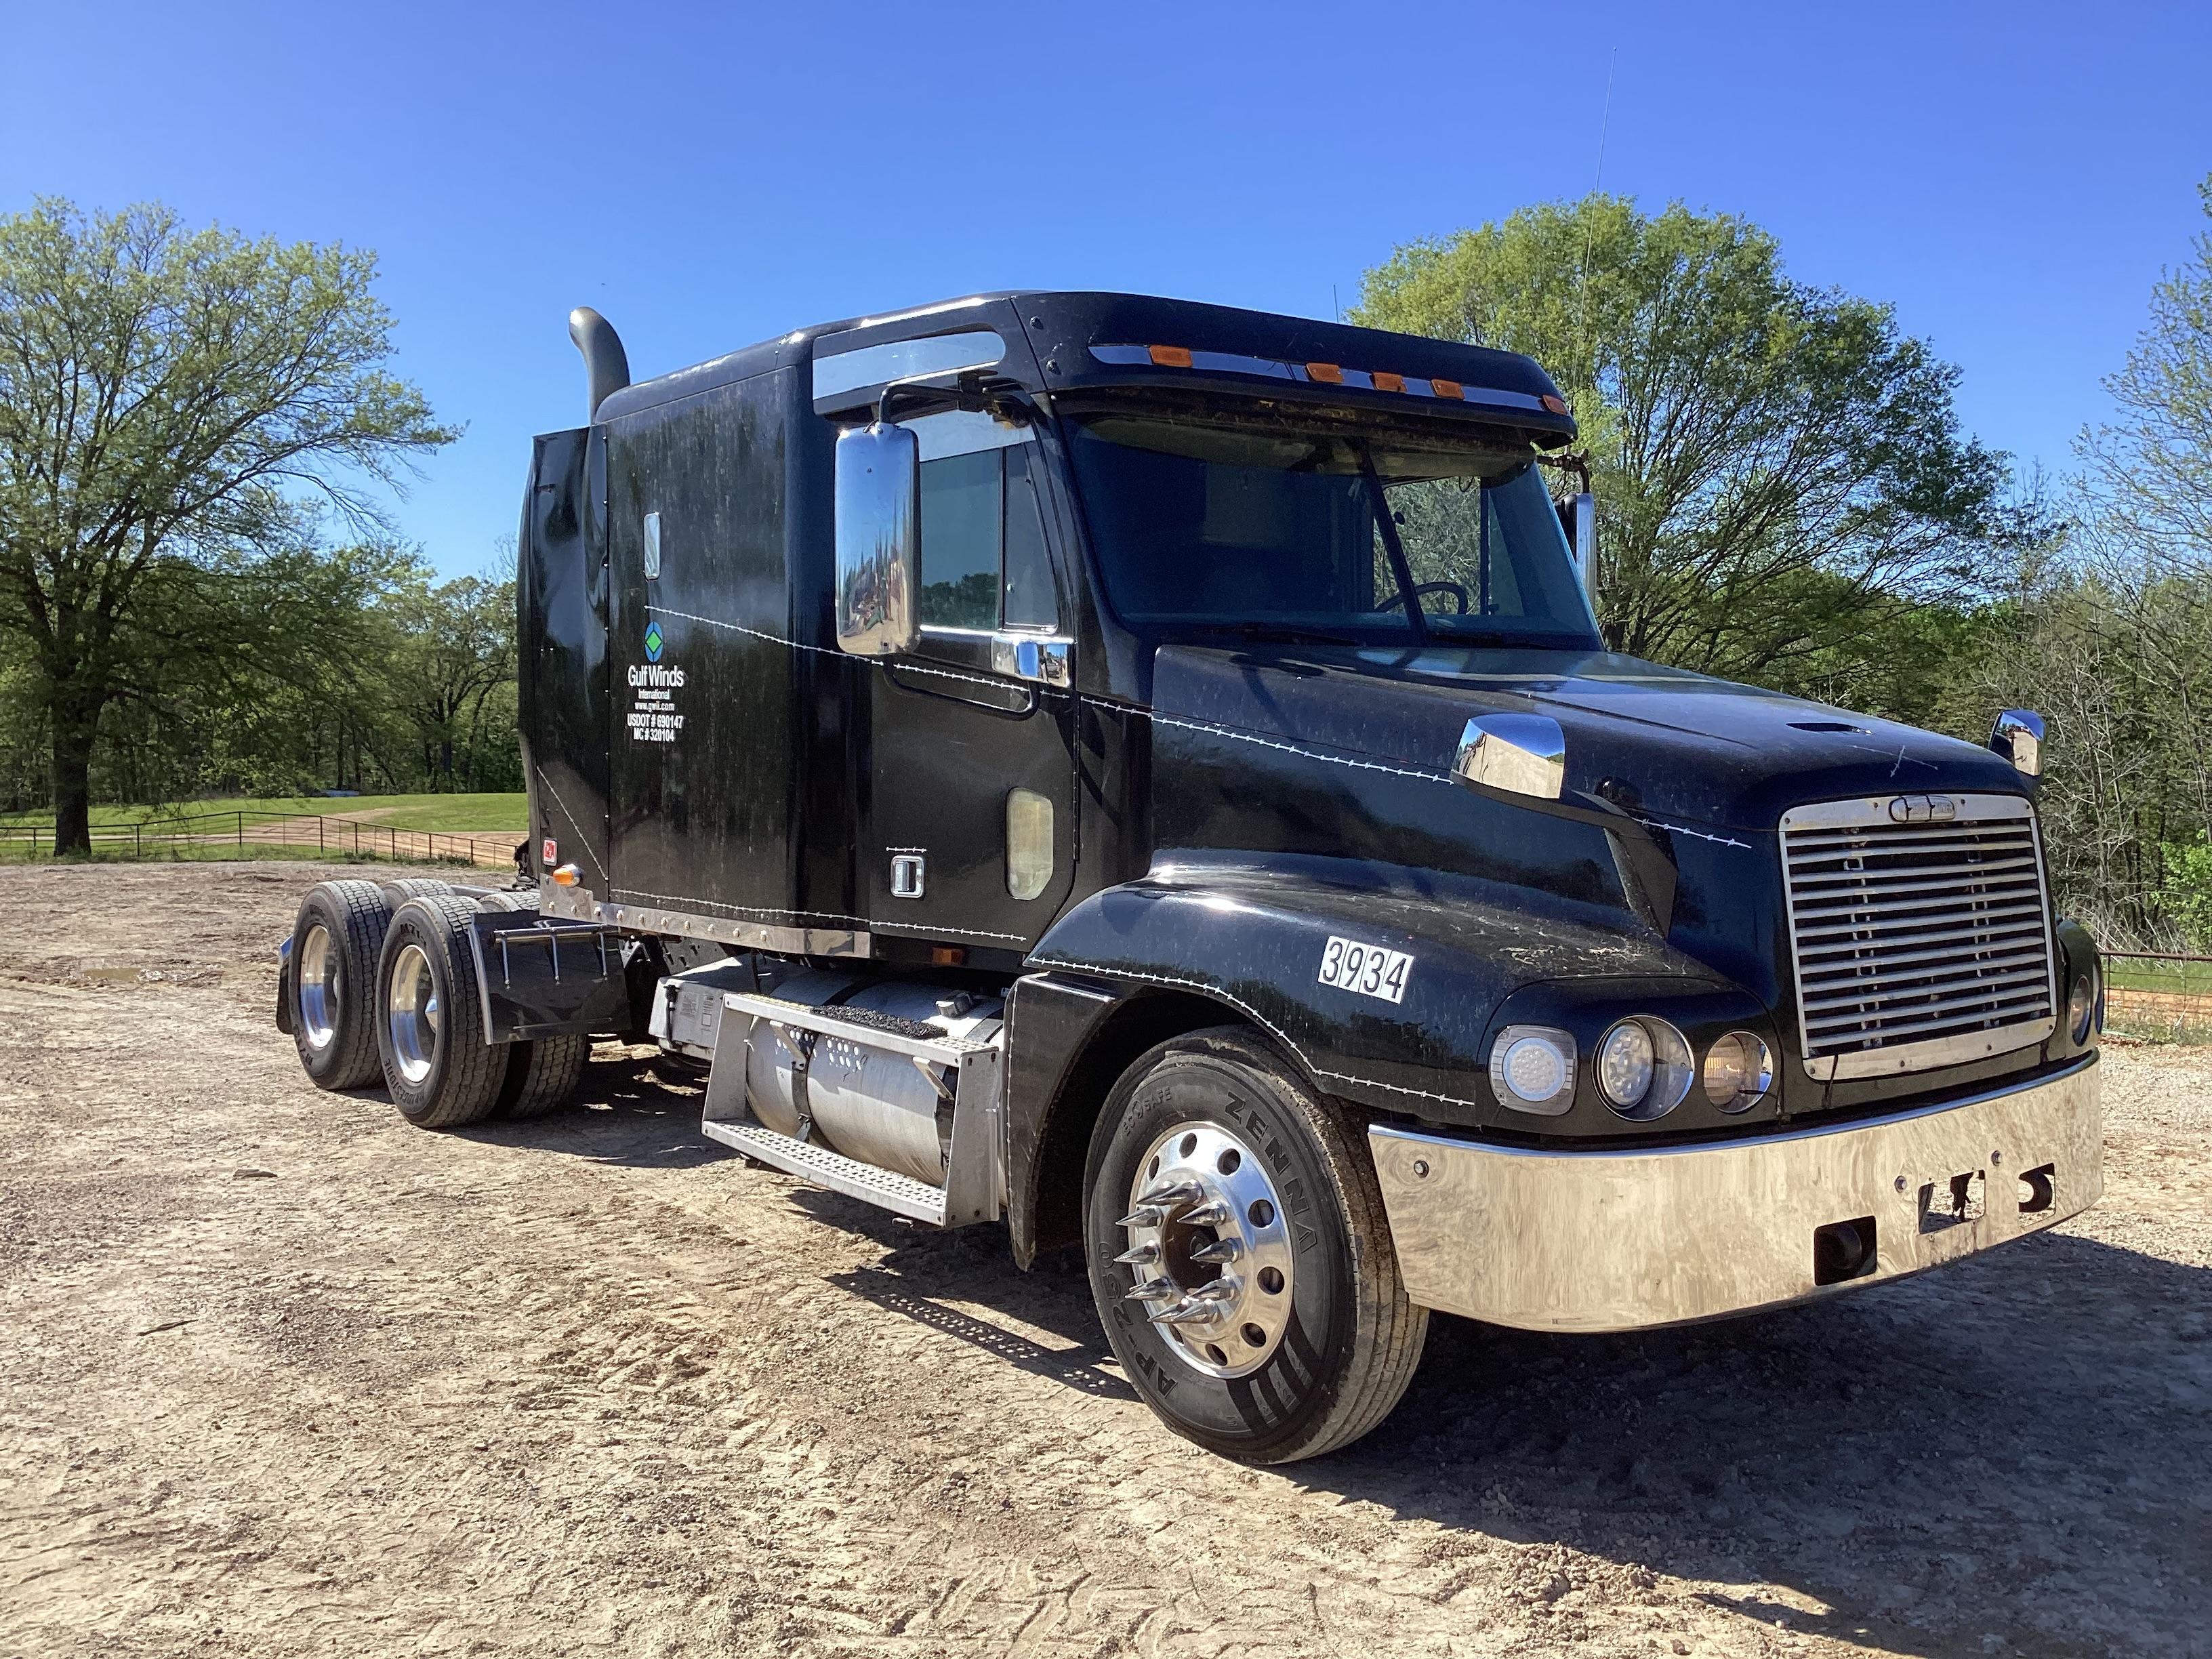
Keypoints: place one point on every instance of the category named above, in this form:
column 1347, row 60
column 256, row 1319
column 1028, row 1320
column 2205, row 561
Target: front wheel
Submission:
column 1240, row 1256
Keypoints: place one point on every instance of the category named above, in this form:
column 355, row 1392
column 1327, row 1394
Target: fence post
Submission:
column 241, row 832
column 137, row 840
column 319, row 823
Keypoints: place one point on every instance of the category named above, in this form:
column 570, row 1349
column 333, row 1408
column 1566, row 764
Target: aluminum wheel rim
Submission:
column 319, row 987
column 411, row 1013
column 1209, row 1250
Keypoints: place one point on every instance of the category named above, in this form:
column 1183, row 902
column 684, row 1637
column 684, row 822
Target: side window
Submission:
column 1030, row 602
column 984, row 559
column 960, row 535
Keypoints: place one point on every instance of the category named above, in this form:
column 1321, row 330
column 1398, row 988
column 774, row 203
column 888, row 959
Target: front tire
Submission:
column 429, row 1025
column 1240, row 1256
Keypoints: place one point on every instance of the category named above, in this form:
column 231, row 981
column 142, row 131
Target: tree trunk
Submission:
column 73, row 732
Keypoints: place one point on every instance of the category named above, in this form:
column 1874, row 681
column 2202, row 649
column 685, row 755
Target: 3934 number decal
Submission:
column 1369, row 970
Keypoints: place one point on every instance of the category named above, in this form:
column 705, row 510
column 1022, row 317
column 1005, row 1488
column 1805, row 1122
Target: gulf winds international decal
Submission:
column 653, row 685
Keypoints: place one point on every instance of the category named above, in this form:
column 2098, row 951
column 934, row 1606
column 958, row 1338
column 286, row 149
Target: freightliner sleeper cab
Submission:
column 1147, row 774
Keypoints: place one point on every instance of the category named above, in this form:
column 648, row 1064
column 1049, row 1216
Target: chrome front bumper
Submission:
column 1610, row 1241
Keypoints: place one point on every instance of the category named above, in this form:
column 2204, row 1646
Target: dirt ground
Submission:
column 281, row 1375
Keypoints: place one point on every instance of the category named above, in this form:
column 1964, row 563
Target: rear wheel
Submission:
column 429, row 1028
column 541, row 1076
column 334, row 942
column 1240, row 1256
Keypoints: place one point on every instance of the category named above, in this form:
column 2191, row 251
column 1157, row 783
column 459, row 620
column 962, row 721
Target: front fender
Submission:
column 1255, row 938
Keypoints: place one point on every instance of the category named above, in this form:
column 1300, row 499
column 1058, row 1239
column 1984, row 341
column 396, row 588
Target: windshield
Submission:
column 1255, row 526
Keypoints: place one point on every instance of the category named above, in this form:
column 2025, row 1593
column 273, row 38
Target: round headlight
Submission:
column 1624, row 1063
column 1532, row 1069
column 2082, row 1006
column 1643, row 1067
column 1738, row 1072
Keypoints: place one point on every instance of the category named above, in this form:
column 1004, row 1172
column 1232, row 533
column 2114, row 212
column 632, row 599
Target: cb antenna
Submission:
column 1590, row 224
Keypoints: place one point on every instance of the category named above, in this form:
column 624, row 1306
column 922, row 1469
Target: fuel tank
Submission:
column 879, row 1108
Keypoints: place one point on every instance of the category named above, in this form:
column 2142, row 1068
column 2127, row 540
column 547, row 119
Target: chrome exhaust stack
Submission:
column 606, row 365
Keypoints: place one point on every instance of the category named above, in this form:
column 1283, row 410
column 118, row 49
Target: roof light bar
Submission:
column 1381, row 379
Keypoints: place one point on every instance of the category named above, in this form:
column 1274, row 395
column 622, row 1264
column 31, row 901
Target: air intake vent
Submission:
column 1920, row 929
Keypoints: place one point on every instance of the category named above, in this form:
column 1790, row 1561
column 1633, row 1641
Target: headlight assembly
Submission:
column 1643, row 1067
column 2082, row 1005
column 1532, row 1069
column 1738, row 1072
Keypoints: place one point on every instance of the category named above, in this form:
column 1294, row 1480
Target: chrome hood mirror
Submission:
column 2018, row 736
column 1522, row 754
column 878, row 539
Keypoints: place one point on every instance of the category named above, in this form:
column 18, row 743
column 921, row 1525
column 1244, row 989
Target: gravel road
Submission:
column 280, row 1375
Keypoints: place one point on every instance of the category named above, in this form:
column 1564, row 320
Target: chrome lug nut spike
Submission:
column 1216, row 1290
column 1222, row 1249
column 1153, row 1290
column 1139, row 1255
column 1172, row 1194
column 1145, row 1215
column 1214, row 1213
column 1183, row 1312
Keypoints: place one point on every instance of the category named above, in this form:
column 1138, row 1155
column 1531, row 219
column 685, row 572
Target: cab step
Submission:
column 886, row 1189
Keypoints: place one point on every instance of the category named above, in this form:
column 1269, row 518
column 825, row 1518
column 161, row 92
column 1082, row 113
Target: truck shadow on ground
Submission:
column 1963, row 1464
column 638, row 1117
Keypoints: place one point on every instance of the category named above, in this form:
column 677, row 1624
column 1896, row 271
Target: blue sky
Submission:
column 2012, row 178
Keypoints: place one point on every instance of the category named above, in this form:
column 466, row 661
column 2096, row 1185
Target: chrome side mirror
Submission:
column 1585, row 539
column 1522, row 754
column 2017, row 735
column 878, row 539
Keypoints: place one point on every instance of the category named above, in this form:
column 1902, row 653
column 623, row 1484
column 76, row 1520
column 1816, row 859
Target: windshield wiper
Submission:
column 1409, row 593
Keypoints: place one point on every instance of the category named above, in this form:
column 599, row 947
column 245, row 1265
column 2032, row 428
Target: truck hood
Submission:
column 1669, row 744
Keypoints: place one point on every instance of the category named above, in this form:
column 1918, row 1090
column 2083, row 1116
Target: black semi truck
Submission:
column 1148, row 773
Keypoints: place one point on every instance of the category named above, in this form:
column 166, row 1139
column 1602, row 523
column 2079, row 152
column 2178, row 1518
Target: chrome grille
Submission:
column 1920, row 931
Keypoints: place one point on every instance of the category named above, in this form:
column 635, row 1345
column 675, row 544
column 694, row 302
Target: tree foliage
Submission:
column 1778, row 470
column 171, row 402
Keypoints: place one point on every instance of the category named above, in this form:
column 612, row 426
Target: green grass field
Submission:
column 455, row 814
column 2183, row 978
column 19, row 852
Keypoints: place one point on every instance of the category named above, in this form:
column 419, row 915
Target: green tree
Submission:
column 169, row 399
column 1779, row 472
column 455, row 658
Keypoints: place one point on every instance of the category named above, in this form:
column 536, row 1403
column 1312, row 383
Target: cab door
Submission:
column 967, row 831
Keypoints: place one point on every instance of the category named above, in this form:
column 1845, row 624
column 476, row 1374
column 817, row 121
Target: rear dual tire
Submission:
column 332, row 978
column 429, row 1025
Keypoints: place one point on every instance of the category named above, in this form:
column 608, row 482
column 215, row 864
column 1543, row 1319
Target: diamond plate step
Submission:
column 819, row 1164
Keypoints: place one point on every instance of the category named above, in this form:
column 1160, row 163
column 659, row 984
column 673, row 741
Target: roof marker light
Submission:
column 1443, row 388
column 1326, row 373
column 1555, row 402
column 1170, row 356
column 1386, row 382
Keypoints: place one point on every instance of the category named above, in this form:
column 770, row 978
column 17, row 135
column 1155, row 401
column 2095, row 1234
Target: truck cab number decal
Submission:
column 1367, row 968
